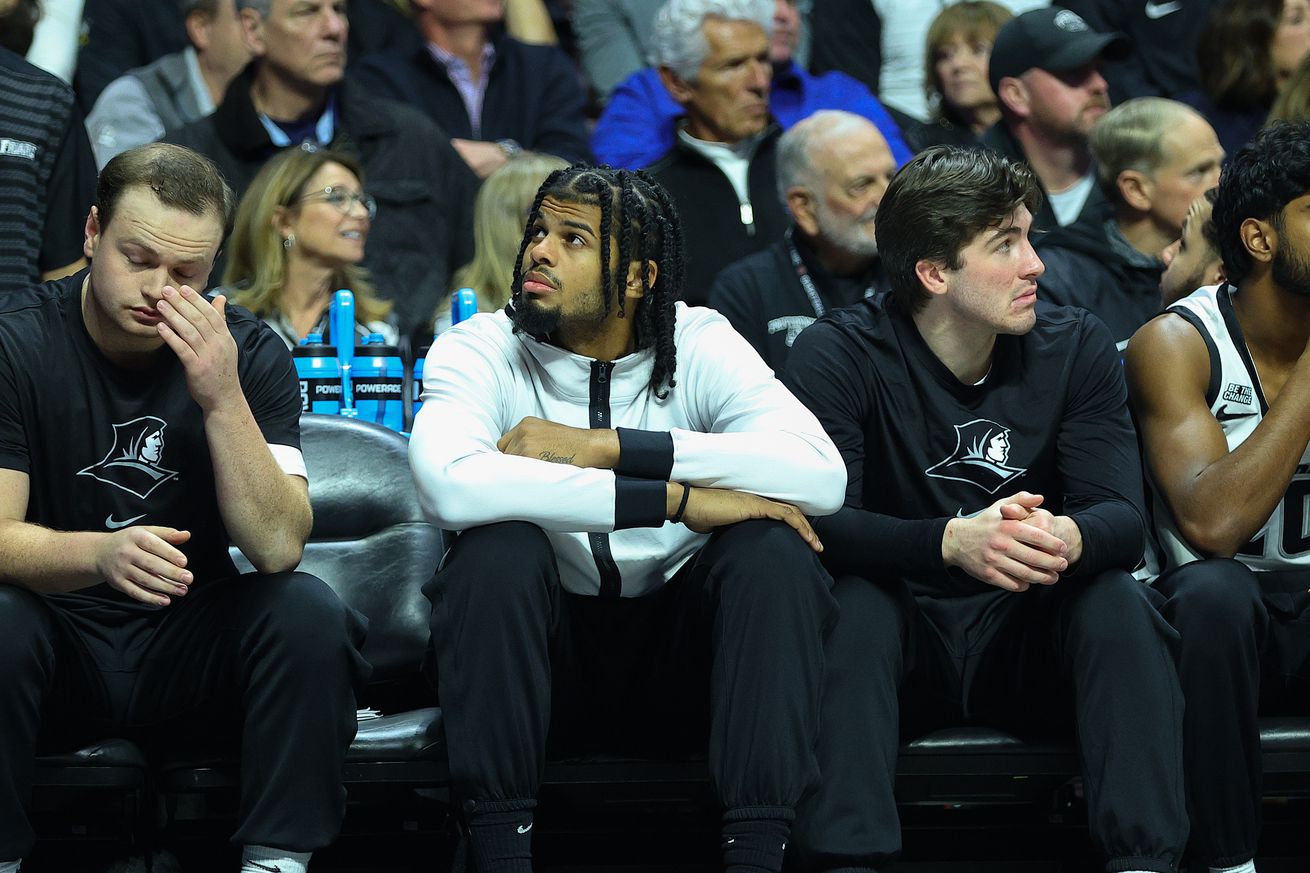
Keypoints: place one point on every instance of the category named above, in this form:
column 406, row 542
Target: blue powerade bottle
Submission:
column 319, row 373
column 463, row 304
column 378, row 383
column 341, row 315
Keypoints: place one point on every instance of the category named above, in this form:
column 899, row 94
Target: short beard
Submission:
column 1290, row 272
column 528, row 317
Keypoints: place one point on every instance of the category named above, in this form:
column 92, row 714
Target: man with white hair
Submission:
column 713, row 57
column 832, row 169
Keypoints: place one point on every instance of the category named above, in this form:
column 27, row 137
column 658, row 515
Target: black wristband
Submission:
column 682, row 505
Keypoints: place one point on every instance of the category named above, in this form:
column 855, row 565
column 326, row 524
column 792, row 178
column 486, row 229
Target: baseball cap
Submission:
column 1051, row 39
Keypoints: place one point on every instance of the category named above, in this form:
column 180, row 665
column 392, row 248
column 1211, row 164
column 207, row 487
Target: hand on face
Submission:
column 197, row 332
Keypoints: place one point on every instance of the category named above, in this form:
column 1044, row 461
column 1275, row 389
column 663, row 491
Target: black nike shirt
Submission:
column 106, row 447
column 921, row 447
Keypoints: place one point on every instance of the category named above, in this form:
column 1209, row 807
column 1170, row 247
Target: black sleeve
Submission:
column 268, row 379
column 70, row 191
column 13, row 436
column 1100, row 466
column 836, row 384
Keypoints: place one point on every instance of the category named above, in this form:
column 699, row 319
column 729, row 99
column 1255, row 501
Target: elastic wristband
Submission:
column 682, row 505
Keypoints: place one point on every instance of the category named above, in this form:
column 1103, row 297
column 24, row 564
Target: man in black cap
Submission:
column 1046, row 72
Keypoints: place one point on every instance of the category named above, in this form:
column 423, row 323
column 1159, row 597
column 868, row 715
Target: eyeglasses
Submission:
column 344, row 200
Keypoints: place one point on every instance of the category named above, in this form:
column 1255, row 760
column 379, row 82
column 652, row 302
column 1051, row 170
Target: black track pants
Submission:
column 729, row 649
column 1245, row 648
column 1091, row 652
column 272, row 660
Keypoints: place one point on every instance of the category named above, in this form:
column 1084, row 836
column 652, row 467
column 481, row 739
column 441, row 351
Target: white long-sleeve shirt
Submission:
column 727, row 424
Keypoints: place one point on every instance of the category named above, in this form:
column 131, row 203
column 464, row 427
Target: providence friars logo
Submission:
column 133, row 463
column 981, row 456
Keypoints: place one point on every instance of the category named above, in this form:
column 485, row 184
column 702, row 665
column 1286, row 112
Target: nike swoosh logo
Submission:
column 115, row 525
column 273, row 869
column 524, row 830
column 1225, row 413
column 1160, row 10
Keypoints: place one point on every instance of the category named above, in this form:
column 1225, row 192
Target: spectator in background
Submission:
column 832, row 170
column 1247, row 50
column 639, row 124
column 881, row 43
column 122, row 35
column 498, row 213
column 714, row 59
column 139, row 106
column 960, row 97
column 492, row 94
column 295, row 92
column 1046, row 71
column 1154, row 158
column 1192, row 261
column 613, row 39
column 47, row 176
column 1293, row 100
column 300, row 234
column 1163, row 62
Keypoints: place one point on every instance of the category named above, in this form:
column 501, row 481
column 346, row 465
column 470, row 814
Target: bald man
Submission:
column 833, row 168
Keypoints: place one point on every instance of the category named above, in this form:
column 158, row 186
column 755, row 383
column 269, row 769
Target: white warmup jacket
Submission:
column 727, row 424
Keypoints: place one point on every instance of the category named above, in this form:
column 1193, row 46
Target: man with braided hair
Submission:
column 635, row 572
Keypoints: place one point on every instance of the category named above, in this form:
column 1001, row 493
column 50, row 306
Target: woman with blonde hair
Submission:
column 299, row 236
column 499, row 215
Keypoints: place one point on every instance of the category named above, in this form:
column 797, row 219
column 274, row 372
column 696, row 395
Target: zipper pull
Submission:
column 748, row 217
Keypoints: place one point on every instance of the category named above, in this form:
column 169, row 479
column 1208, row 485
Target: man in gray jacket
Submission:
column 137, row 107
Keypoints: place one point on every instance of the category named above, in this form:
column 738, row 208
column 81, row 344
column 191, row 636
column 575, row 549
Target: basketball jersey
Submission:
column 1238, row 404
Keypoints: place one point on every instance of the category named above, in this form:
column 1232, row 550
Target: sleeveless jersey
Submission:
column 1238, row 404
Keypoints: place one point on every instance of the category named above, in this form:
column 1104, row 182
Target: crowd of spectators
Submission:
column 432, row 97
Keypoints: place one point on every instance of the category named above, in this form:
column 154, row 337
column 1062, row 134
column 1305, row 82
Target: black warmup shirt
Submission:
column 920, row 447
column 105, row 447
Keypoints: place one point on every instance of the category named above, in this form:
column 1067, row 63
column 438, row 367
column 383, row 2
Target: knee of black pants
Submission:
column 26, row 649
column 1113, row 611
column 305, row 620
column 870, row 629
column 1213, row 602
column 767, row 560
column 495, row 559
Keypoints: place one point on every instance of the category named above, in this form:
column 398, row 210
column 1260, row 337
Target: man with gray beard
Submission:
column 833, row 168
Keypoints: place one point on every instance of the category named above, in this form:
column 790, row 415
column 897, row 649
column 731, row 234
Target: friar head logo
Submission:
column 981, row 456
column 134, row 462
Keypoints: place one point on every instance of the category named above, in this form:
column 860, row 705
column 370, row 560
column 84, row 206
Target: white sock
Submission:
column 1248, row 867
column 262, row 859
column 10, row 866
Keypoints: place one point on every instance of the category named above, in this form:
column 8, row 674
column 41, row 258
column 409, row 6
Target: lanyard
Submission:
column 807, row 284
